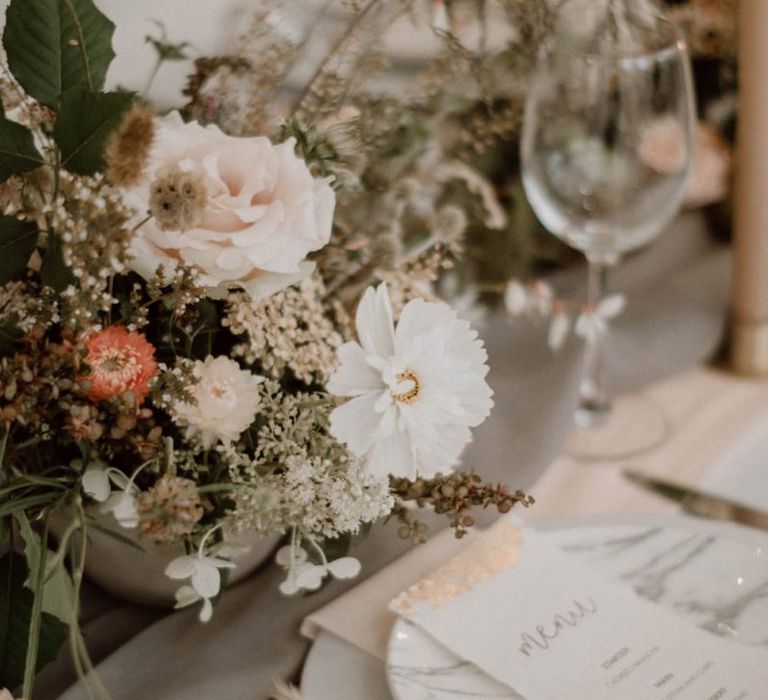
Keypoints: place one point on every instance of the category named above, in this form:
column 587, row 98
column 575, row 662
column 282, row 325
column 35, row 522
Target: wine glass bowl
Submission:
column 608, row 139
column 606, row 148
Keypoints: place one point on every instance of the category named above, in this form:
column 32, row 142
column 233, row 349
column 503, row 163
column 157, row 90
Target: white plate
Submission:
column 714, row 573
column 716, row 577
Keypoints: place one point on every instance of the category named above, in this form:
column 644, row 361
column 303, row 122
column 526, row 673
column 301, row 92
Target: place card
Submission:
column 549, row 628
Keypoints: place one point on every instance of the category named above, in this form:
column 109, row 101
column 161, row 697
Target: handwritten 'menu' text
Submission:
column 545, row 634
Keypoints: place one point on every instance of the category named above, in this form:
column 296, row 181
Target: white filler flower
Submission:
column 415, row 390
column 226, row 401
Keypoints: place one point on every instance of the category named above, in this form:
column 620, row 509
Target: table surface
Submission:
column 677, row 293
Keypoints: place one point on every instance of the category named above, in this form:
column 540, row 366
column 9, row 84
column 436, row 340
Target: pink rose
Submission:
column 260, row 214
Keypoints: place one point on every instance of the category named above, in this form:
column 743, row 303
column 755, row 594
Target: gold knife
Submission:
column 699, row 503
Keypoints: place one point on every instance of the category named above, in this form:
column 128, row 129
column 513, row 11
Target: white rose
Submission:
column 263, row 211
column 226, row 401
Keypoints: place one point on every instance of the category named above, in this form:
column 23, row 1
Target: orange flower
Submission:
column 121, row 361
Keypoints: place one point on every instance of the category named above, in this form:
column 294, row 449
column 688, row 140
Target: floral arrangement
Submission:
column 223, row 321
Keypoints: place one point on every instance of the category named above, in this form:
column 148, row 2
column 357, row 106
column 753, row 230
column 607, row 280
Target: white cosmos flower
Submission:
column 227, row 399
column 415, row 391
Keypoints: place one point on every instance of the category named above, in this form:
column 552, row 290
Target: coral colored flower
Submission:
column 121, row 361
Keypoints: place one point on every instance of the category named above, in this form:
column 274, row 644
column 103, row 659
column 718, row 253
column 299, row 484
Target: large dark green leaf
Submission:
column 55, row 45
column 54, row 271
column 85, row 121
column 17, row 241
column 15, row 613
column 17, row 150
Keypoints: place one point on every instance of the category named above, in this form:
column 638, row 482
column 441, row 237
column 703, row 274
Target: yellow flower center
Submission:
column 410, row 395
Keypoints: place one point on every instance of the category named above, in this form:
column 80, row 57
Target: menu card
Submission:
column 549, row 628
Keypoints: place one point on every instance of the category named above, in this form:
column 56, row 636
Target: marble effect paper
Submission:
column 679, row 569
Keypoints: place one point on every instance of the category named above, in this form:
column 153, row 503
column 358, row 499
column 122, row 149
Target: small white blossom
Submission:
column 122, row 502
column 304, row 575
column 593, row 324
column 559, row 327
column 203, row 571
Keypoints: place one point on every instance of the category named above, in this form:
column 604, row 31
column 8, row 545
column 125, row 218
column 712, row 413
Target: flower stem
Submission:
column 35, row 621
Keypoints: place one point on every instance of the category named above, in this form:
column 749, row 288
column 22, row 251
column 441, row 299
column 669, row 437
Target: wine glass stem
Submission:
column 593, row 401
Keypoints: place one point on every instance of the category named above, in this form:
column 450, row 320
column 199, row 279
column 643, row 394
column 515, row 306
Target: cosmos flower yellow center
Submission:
column 409, row 395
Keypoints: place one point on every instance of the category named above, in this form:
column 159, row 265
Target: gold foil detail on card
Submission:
column 491, row 554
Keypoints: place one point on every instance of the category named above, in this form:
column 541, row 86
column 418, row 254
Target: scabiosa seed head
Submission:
column 128, row 149
column 177, row 199
column 170, row 509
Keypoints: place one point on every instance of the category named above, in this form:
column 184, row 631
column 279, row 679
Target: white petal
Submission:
column 375, row 326
column 516, row 298
column 125, row 511
column 206, row 580
column 186, row 596
column 206, row 612
column 611, row 306
column 558, row 331
column 356, row 422
column 270, row 283
column 311, row 578
column 96, row 483
column 354, row 376
column 217, row 562
column 346, row 567
column 182, row 567
column 289, row 586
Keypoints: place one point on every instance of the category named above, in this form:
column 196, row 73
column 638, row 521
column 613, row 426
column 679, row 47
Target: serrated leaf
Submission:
column 15, row 613
column 54, row 271
column 85, row 121
column 55, row 45
column 17, row 243
column 17, row 150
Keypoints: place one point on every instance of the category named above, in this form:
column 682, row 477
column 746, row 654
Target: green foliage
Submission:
column 15, row 613
column 17, row 150
column 166, row 50
column 85, row 121
column 17, row 242
column 54, row 271
column 55, row 45
column 58, row 591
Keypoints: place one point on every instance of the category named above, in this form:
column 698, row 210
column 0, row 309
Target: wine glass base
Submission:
column 632, row 426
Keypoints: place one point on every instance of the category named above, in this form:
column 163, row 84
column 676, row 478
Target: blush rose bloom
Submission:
column 264, row 211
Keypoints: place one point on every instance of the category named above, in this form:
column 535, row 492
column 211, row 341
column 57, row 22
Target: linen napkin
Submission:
column 361, row 616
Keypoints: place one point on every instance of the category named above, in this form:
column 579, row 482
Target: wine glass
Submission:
column 607, row 145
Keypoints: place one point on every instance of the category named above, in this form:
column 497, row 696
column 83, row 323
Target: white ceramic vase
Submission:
column 139, row 577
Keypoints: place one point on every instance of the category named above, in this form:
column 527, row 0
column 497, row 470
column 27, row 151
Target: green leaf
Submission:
column 17, row 150
column 15, row 612
column 58, row 591
column 54, row 271
column 17, row 243
column 55, row 45
column 85, row 121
